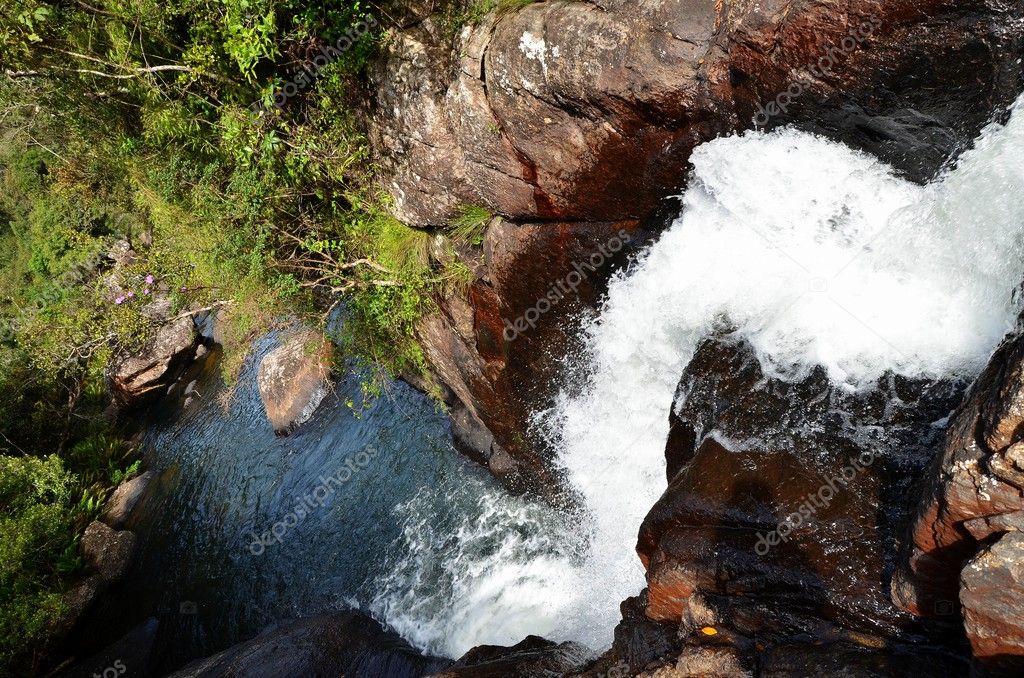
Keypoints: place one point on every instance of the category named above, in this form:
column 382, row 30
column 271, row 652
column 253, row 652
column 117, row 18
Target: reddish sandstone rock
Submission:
column 747, row 452
column 992, row 591
column 969, row 493
column 588, row 112
column 496, row 348
column 780, row 499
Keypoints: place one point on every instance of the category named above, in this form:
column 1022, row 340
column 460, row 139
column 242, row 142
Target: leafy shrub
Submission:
column 37, row 546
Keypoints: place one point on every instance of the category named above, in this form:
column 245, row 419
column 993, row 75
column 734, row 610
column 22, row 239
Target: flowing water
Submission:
column 814, row 253
column 324, row 503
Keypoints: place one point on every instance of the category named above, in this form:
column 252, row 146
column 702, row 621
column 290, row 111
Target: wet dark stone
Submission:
column 346, row 644
column 534, row 657
column 128, row 657
column 786, row 499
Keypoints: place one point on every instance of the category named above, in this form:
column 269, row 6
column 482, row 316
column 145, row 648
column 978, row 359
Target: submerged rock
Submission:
column 124, row 499
column 346, row 644
column 295, row 378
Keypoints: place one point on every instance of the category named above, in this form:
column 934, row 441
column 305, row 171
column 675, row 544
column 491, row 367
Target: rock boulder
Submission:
column 991, row 593
column 124, row 499
column 295, row 378
column 109, row 552
column 346, row 644
column 534, row 657
column 140, row 379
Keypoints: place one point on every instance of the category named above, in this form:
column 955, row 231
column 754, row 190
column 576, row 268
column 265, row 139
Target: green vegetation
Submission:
column 37, row 548
column 470, row 223
column 220, row 138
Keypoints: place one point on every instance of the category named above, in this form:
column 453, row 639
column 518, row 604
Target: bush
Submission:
column 37, row 552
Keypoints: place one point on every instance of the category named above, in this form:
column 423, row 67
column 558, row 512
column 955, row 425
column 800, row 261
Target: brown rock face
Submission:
column 971, row 491
column 576, row 119
column 991, row 591
column 142, row 378
column 497, row 348
column 784, row 493
column 588, row 111
column 294, row 379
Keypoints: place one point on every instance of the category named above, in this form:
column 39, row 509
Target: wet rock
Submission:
column 968, row 494
column 142, row 378
column 639, row 640
column 846, row 660
column 786, row 496
column 703, row 662
column 124, row 499
column 128, row 657
column 536, row 277
column 992, row 588
column 107, row 551
column 346, row 644
column 534, row 657
column 1004, row 408
column 295, row 378
column 778, row 525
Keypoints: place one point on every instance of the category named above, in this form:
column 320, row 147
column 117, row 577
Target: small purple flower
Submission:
column 149, row 280
column 131, row 295
column 119, row 301
column 184, row 289
column 146, row 291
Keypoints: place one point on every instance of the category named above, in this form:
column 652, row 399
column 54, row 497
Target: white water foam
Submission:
column 817, row 255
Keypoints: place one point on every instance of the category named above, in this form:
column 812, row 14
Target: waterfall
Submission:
column 814, row 253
